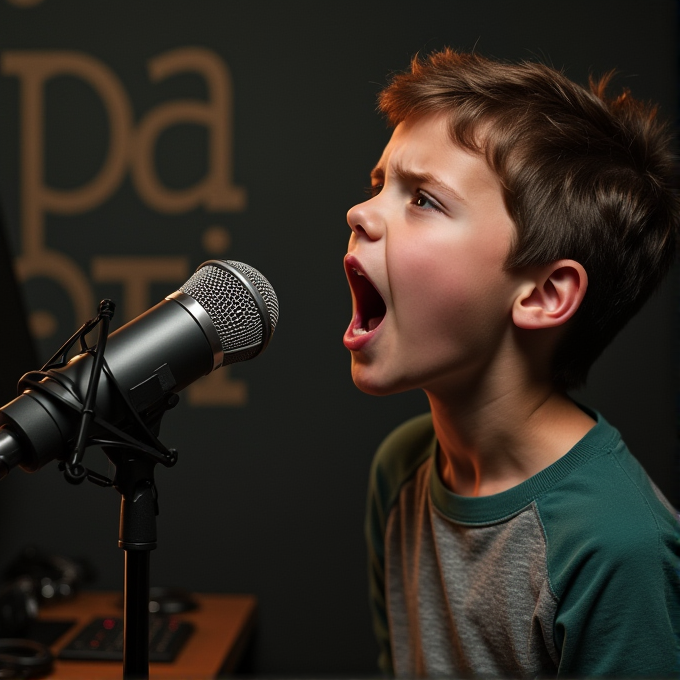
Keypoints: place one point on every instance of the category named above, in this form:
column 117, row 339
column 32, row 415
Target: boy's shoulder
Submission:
column 606, row 505
column 407, row 440
column 398, row 458
column 605, row 484
column 405, row 449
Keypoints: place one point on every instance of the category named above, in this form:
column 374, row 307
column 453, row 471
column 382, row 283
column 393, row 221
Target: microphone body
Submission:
column 226, row 312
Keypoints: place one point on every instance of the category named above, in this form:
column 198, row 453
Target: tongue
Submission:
column 374, row 322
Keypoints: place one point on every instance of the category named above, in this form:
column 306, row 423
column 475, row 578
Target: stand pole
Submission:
column 136, row 615
column 137, row 537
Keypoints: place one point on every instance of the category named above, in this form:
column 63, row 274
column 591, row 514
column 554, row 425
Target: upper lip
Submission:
column 352, row 264
column 354, row 267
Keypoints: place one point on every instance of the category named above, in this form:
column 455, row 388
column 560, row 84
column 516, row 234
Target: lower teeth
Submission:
column 372, row 325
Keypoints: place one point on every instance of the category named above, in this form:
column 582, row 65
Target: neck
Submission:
column 489, row 443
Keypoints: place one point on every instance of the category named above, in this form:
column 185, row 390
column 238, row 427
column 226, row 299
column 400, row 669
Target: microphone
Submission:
column 226, row 312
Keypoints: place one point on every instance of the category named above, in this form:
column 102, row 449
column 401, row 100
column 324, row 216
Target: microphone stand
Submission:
column 137, row 537
column 134, row 480
column 134, row 453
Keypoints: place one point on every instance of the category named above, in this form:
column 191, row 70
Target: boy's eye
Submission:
column 374, row 190
column 424, row 201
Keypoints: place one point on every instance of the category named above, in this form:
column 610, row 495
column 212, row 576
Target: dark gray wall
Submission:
column 268, row 496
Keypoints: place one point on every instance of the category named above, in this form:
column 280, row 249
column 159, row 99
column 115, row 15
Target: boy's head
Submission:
column 426, row 266
column 583, row 177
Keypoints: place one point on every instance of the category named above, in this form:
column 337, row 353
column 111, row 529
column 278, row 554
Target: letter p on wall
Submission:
column 127, row 147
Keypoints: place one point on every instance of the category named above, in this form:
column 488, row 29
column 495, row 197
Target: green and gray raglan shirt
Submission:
column 575, row 572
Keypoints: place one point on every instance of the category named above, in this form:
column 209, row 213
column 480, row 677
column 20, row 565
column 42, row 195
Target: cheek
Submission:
column 456, row 296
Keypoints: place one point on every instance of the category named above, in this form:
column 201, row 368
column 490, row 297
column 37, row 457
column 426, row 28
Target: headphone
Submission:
column 34, row 577
column 54, row 577
column 24, row 659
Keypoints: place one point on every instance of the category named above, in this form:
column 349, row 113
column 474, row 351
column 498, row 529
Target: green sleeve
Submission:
column 613, row 562
column 396, row 461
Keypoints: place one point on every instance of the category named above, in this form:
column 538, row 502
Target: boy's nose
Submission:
column 364, row 221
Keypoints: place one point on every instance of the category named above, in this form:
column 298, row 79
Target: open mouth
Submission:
column 369, row 306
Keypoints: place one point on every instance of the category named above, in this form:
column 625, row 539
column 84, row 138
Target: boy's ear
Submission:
column 552, row 295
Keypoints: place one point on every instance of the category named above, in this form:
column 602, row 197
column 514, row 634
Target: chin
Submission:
column 374, row 385
column 373, row 390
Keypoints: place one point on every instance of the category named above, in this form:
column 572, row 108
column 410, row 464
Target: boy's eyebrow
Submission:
column 377, row 173
column 412, row 177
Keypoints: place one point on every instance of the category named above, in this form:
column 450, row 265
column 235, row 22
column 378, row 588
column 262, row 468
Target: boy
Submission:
column 517, row 222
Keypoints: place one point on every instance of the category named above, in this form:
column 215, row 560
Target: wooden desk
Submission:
column 223, row 624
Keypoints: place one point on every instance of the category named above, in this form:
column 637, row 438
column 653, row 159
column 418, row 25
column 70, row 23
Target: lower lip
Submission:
column 356, row 342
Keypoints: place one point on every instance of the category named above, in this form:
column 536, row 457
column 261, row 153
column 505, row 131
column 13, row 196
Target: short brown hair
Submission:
column 584, row 176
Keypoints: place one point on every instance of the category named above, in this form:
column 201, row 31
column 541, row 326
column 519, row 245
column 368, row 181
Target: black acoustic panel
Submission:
column 17, row 351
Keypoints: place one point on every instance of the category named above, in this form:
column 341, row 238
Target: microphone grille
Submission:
column 263, row 287
column 228, row 291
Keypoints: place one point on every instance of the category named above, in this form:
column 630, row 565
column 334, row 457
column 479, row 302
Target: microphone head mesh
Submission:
column 233, row 307
column 263, row 287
